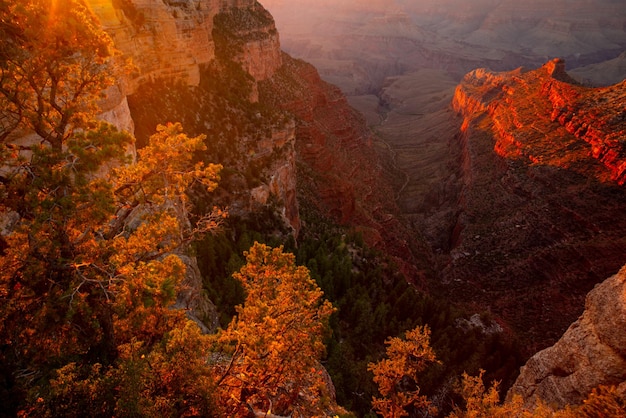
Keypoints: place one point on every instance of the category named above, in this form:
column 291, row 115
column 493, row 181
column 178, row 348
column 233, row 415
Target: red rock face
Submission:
column 541, row 213
column 340, row 166
column 542, row 116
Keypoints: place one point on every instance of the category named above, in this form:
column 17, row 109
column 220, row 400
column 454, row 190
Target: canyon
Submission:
column 538, row 197
column 507, row 189
column 357, row 47
column 514, row 179
column 178, row 83
column 453, row 143
column 515, row 197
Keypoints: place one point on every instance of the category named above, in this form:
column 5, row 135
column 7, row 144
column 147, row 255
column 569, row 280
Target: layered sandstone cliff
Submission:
column 170, row 52
column 163, row 38
column 174, row 42
column 592, row 352
column 594, row 116
column 540, row 211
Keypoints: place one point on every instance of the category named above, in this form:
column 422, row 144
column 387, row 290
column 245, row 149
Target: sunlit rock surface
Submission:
column 540, row 210
column 162, row 38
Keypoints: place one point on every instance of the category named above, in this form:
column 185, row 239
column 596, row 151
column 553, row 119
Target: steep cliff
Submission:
column 592, row 352
column 161, row 39
column 341, row 172
column 540, row 211
column 172, row 47
column 262, row 112
column 198, row 62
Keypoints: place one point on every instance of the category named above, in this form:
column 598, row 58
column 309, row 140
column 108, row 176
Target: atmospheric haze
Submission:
column 357, row 44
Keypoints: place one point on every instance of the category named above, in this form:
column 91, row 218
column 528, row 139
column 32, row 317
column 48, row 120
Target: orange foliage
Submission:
column 54, row 68
column 276, row 340
column 603, row 402
column 396, row 375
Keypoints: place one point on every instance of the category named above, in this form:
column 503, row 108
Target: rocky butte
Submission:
column 539, row 221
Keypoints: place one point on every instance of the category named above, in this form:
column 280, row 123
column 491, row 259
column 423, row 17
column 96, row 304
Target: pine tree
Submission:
column 397, row 375
column 88, row 268
column 276, row 339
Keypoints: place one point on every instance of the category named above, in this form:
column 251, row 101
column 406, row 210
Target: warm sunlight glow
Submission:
column 103, row 9
column 54, row 11
column 337, row 208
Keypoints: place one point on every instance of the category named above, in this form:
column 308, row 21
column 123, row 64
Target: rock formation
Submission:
column 592, row 352
column 541, row 202
column 163, row 38
column 174, row 40
column 288, row 114
column 172, row 44
column 344, row 175
column 591, row 116
column 535, row 197
column 511, row 197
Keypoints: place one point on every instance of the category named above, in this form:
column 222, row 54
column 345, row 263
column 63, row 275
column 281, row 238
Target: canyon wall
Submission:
column 167, row 54
column 173, row 42
column 592, row 352
column 342, row 173
column 168, row 38
column 588, row 120
column 203, row 38
column 162, row 39
column 539, row 218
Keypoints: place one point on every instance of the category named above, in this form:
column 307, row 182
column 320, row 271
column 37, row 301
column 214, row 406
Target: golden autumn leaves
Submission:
column 88, row 301
column 56, row 61
column 396, row 375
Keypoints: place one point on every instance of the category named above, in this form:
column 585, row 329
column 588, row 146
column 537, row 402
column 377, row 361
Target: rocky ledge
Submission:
column 583, row 122
column 591, row 353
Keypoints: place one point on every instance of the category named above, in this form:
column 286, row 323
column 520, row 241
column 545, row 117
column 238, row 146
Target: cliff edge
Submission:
column 592, row 352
